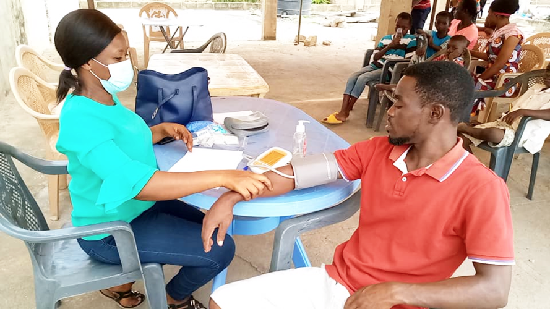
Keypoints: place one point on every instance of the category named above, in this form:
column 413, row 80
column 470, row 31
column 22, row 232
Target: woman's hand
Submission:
column 247, row 184
column 219, row 216
column 173, row 130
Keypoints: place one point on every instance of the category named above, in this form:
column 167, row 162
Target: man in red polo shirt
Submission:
column 426, row 206
column 420, row 11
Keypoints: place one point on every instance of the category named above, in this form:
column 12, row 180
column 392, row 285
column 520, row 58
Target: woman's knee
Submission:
column 223, row 255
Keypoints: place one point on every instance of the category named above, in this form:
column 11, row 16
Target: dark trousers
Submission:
column 419, row 17
column 170, row 233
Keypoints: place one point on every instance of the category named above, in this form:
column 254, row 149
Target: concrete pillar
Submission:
column 269, row 24
column 440, row 5
column 36, row 24
column 389, row 9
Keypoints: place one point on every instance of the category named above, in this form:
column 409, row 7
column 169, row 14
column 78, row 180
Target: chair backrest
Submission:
column 531, row 58
column 28, row 58
column 35, row 96
column 542, row 41
column 157, row 10
column 17, row 205
column 218, row 43
column 530, row 79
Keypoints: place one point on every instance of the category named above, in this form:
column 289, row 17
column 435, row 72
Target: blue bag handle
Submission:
column 160, row 93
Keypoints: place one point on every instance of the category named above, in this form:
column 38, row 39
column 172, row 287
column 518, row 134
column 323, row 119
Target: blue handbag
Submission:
column 179, row 98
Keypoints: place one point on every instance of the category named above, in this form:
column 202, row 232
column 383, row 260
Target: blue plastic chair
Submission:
column 61, row 268
column 501, row 158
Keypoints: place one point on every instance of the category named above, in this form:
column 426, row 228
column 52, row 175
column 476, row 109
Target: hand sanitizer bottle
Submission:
column 300, row 142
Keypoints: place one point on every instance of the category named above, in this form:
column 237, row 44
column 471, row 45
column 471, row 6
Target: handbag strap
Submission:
column 161, row 101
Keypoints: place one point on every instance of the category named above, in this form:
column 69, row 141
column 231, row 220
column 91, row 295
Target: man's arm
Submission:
column 543, row 114
column 220, row 214
column 488, row 288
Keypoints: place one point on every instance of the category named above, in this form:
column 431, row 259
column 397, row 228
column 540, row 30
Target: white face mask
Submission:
column 122, row 75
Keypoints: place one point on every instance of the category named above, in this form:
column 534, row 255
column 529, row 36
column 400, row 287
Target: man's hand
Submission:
column 512, row 116
column 376, row 296
column 219, row 216
column 396, row 40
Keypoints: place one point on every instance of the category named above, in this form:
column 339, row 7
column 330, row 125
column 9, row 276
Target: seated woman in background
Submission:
column 501, row 133
column 504, row 47
column 463, row 23
column 114, row 170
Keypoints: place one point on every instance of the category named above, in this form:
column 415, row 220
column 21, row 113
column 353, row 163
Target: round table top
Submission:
column 282, row 124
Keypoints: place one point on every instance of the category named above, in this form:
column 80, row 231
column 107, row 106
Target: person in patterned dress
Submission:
column 504, row 48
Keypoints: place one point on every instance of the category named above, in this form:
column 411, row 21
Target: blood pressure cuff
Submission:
column 314, row 170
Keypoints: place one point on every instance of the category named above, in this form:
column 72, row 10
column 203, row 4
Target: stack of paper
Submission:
column 204, row 159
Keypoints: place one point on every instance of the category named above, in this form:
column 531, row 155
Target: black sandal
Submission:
column 189, row 303
column 118, row 296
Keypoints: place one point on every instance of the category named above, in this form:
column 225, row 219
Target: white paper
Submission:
column 204, row 159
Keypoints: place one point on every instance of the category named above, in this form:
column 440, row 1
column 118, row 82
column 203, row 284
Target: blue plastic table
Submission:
column 264, row 214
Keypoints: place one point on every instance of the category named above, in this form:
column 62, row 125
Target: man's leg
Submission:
column 348, row 99
column 305, row 288
column 419, row 17
column 358, row 88
column 491, row 135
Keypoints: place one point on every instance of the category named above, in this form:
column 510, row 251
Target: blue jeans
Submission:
column 170, row 233
column 419, row 17
column 358, row 80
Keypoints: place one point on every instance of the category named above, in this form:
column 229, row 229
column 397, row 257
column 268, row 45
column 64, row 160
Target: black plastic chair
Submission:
column 218, row 44
column 61, row 269
column 385, row 78
column 501, row 157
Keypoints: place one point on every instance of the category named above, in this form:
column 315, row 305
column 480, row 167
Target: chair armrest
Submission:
column 501, row 90
column 367, row 58
column 398, row 70
column 40, row 165
column 121, row 231
column 287, row 232
column 388, row 65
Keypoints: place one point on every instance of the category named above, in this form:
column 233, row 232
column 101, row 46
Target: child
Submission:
column 455, row 50
column 456, row 47
column 437, row 39
column 399, row 46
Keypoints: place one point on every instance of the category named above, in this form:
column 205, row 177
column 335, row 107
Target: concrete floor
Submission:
column 312, row 80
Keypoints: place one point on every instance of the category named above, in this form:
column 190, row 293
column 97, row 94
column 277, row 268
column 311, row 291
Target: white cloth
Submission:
column 536, row 131
column 301, row 288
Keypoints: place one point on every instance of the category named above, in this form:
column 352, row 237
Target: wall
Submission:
column 13, row 34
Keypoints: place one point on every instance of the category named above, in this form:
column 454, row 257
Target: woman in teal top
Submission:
column 114, row 171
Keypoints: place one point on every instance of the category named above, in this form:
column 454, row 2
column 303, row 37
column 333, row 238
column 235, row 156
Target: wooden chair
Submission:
column 47, row 70
column 531, row 58
column 35, row 96
column 542, row 41
column 150, row 33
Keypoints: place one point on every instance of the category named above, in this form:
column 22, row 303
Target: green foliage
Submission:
column 320, row 1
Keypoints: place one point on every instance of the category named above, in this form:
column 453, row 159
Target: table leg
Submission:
column 168, row 40
column 299, row 256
